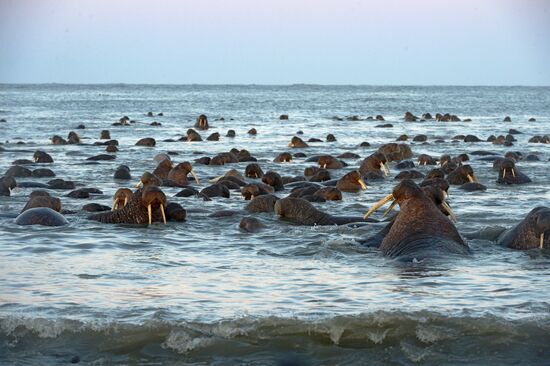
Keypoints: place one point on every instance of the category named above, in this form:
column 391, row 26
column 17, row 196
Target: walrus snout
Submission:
column 153, row 196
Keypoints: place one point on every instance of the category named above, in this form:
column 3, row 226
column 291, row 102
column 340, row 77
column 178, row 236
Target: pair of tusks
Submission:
column 151, row 215
column 115, row 201
column 390, row 197
column 504, row 173
column 384, row 168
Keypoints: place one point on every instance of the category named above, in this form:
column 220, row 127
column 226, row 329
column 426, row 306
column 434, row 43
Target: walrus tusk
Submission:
column 513, row 173
column 125, row 201
column 163, row 215
column 195, row 176
column 378, row 204
column 541, row 240
column 384, row 169
column 449, row 211
column 324, row 166
column 139, row 184
column 504, row 174
column 150, row 215
column 389, row 209
column 114, row 204
column 215, row 180
column 363, row 185
column 471, row 178
column 387, row 167
column 290, row 144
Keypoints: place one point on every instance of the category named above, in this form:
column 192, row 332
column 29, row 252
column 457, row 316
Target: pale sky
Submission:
column 382, row 42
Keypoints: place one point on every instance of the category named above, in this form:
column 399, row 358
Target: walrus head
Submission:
column 253, row 171
column 148, row 179
column 153, row 197
column 541, row 219
column 354, row 178
column 250, row 191
column 122, row 196
column 467, row 171
column 507, row 166
column 184, row 169
column 405, row 190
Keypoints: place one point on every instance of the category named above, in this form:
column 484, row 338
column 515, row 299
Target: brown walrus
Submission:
column 420, row 229
column 531, row 232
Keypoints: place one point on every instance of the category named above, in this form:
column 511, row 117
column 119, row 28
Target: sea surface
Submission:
column 203, row 292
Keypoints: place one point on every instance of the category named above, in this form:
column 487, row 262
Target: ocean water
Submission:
column 203, row 292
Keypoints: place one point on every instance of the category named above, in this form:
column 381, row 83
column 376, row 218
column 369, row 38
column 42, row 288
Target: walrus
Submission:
column 123, row 172
column 163, row 168
column 42, row 157
column 253, row 170
column 329, row 162
column 41, row 216
column 351, row 182
column 300, row 211
column 395, row 152
column 508, row 173
column 531, row 232
column 7, row 185
column 146, row 141
column 250, row 191
column 42, row 199
column 251, row 224
column 321, row 175
column 284, row 157
column 420, row 229
column 202, row 122
column 178, row 174
column 425, row 159
column 374, row 166
column 273, row 179
column 461, row 175
column 263, row 203
column 297, row 142
column 121, row 198
column 192, row 135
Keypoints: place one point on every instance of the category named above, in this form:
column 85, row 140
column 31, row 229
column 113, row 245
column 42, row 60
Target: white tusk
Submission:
column 541, row 240
column 196, row 178
column 379, row 204
column 513, row 173
column 471, row 179
column 114, row 204
column 125, row 201
column 139, row 185
column 504, row 174
column 363, row 185
column 150, row 215
column 163, row 215
column 389, row 209
column 449, row 211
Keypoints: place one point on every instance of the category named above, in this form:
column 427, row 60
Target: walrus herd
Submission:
column 423, row 226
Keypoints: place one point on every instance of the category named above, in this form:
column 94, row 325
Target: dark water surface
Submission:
column 203, row 292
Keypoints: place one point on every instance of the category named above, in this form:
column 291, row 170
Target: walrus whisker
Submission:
column 379, row 204
column 149, row 213
column 195, row 176
column 163, row 215
column 449, row 211
column 541, row 240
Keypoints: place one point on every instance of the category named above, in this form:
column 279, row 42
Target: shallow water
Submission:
column 203, row 292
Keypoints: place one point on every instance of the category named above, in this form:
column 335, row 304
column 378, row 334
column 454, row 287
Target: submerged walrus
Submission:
column 300, row 211
column 531, row 232
column 420, row 229
column 41, row 216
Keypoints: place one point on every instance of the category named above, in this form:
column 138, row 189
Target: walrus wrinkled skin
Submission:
column 420, row 230
column 508, row 173
column 300, row 211
column 41, row 216
column 531, row 232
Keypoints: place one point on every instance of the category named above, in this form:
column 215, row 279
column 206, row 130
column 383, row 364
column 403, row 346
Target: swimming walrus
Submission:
column 420, row 229
column 531, row 232
column 300, row 211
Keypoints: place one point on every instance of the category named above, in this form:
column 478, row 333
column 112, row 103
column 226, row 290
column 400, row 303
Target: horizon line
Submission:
column 277, row 85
